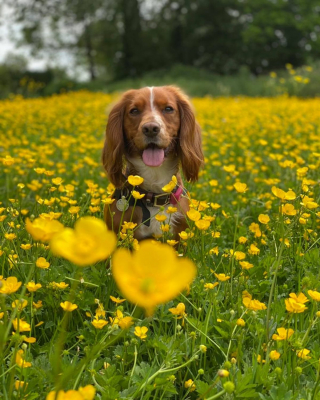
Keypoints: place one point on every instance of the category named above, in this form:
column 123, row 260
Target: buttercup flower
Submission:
column 141, row 332
column 42, row 263
column 314, row 295
column 240, row 187
column 43, row 230
column 9, row 285
column 283, row 334
column 254, row 305
column 89, row 242
column 151, row 275
column 135, row 180
column 67, row 306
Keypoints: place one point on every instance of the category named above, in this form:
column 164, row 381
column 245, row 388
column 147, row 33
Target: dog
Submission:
column 151, row 132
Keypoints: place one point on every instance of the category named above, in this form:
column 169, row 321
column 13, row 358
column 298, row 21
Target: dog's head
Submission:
column 152, row 123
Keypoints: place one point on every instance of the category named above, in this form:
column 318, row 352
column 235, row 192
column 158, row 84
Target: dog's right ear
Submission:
column 113, row 150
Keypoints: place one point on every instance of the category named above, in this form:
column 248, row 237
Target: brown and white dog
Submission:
column 150, row 132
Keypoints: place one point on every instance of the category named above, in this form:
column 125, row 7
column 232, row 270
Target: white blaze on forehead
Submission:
column 155, row 113
column 151, row 98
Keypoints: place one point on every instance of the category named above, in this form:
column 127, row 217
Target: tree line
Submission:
column 127, row 38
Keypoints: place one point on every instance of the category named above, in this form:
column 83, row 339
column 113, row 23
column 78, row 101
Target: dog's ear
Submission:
column 190, row 149
column 113, row 150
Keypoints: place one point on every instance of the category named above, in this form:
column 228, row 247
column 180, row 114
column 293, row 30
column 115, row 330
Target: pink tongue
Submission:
column 153, row 157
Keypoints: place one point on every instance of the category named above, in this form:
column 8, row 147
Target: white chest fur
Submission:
column 154, row 180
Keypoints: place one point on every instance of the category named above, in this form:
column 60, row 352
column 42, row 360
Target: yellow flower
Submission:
column 172, row 210
column 29, row 339
column 238, row 255
column 88, row 392
column 57, row 181
column 301, row 298
column 42, row 263
column 68, row 307
column 137, row 195
column 215, row 206
column 288, row 209
column 222, row 277
column 274, row 355
column 179, row 310
column 245, row 265
column 189, row 384
column 165, row 227
column 151, row 275
column 254, row 305
column 89, row 242
column 117, row 300
column 10, row 285
column 214, row 250
column 171, row 185
column 202, row 224
column 185, row 235
column 21, row 325
column 141, row 332
column 172, row 242
column 43, row 230
column 135, row 180
column 33, row 287
column 240, row 322
column 210, row 286
column 10, row 236
column 160, row 217
column 74, row 210
column 240, row 187
column 303, row 354
column 314, row 295
column 38, row 304
column 19, row 304
column 125, row 322
column 264, row 219
column 26, row 246
column 193, row 214
column 20, row 385
column 99, row 323
column 253, row 250
column 60, row 285
column 20, row 361
column 281, row 194
column 283, row 334
column 294, row 306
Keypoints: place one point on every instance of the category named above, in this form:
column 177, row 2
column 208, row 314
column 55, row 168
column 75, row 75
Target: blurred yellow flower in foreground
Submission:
column 151, row 275
column 89, row 242
column 84, row 393
column 42, row 229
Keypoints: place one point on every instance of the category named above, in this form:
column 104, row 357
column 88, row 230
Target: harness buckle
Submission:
column 155, row 203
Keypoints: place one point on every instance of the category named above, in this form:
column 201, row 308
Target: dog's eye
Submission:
column 168, row 109
column 134, row 111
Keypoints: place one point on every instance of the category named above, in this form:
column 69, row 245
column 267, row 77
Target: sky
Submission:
column 10, row 35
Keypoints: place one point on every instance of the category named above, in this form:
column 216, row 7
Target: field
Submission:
column 247, row 326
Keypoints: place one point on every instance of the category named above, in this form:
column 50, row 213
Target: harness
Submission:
column 124, row 200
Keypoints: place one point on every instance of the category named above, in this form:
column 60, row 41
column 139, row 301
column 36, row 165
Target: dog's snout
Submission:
column 151, row 129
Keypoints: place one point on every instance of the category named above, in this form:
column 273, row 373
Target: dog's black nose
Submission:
column 151, row 129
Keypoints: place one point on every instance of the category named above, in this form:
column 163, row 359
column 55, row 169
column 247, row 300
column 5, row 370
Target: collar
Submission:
column 151, row 199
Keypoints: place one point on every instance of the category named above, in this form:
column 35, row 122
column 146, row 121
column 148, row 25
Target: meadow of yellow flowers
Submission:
column 231, row 312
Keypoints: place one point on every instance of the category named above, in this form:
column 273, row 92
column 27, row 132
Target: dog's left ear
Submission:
column 190, row 149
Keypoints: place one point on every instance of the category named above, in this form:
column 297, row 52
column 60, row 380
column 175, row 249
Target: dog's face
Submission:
column 152, row 123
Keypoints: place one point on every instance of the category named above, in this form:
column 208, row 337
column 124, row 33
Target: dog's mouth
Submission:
column 153, row 156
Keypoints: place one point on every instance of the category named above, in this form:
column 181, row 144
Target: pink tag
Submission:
column 175, row 197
